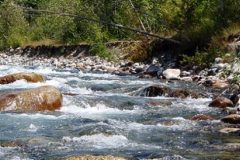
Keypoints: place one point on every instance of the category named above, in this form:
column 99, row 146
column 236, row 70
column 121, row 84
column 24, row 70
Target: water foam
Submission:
column 99, row 141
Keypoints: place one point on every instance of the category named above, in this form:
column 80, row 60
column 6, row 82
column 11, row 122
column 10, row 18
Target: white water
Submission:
column 107, row 121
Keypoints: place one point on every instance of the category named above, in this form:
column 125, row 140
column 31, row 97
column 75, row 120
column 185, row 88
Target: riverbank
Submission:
column 220, row 75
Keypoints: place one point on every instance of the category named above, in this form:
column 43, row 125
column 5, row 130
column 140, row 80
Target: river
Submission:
column 105, row 117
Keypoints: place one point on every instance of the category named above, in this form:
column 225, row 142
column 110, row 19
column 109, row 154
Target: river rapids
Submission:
column 101, row 115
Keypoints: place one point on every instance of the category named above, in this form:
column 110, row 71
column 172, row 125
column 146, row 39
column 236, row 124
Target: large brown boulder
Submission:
column 221, row 102
column 46, row 98
column 233, row 119
column 29, row 77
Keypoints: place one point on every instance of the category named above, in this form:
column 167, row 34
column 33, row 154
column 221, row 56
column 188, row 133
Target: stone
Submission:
column 221, row 102
column 234, row 98
column 217, row 84
column 153, row 69
column 201, row 117
column 46, row 98
column 232, row 118
column 230, row 130
column 90, row 157
column 29, row 77
column 185, row 74
column 183, row 93
column 219, row 66
column 187, row 79
column 172, row 74
column 218, row 60
column 154, row 91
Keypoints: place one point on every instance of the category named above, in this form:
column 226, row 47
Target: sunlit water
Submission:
column 104, row 118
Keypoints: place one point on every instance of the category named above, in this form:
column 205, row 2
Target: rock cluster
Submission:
column 46, row 98
column 219, row 77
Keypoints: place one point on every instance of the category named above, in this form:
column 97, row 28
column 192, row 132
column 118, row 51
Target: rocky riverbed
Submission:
column 113, row 108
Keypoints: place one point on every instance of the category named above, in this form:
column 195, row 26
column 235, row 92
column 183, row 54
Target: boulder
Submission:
column 221, row 102
column 233, row 119
column 154, row 70
column 217, row 84
column 29, row 77
column 89, row 157
column 154, row 91
column 201, row 117
column 172, row 74
column 230, row 130
column 46, row 98
column 183, row 93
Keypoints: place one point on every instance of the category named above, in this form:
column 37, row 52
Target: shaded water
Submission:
column 104, row 118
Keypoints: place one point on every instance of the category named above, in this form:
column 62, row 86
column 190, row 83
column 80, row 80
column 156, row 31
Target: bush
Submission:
column 200, row 59
column 99, row 49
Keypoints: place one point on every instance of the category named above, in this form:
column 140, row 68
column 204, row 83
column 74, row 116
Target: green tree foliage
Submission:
column 12, row 25
column 65, row 28
column 193, row 20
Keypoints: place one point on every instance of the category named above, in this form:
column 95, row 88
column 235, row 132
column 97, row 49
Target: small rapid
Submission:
column 102, row 115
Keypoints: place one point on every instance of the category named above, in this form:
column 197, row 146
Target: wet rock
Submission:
column 139, row 70
column 29, row 77
column 233, row 119
column 234, row 98
column 154, row 69
column 46, row 98
column 172, row 74
column 183, row 93
column 221, row 102
column 187, row 79
column 201, row 117
column 145, row 76
column 230, row 130
column 217, row 84
column 218, row 60
column 154, row 91
column 185, row 74
column 196, row 78
column 90, row 157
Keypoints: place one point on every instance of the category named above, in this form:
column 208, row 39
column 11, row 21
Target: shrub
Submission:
column 200, row 59
column 99, row 49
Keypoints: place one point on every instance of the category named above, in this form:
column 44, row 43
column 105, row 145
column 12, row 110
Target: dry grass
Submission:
column 221, row 40
column 46, row 42
column 138, row 52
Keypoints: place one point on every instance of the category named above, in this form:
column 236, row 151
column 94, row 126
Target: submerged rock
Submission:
column 201, row 117
column 172, row 74
column 154, row 91
column 29, row 77
column 89, row 157
column 221, row 102
column 183, row 93
column 233, row 119
column 46, row 98
column 158, row 90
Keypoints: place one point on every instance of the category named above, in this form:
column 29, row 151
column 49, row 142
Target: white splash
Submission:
column 99, row 141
